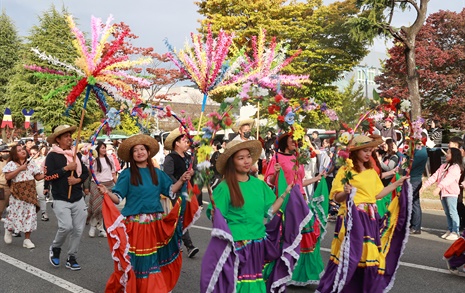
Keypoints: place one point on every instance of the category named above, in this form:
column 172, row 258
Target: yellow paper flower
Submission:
column 298, row 133
column 203, row 152
column 349, row 164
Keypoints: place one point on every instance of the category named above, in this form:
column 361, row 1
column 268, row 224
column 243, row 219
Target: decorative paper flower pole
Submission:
column 98, row 68
column 206, row 63
column 263, row 68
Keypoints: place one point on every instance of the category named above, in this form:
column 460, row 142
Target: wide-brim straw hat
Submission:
column 59, row 130
column 241, row 122
column 362, row 141
column 254, row 146
column 168, row 144
column 125, row 148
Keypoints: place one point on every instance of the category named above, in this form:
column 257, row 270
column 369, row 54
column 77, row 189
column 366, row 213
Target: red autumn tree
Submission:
column 159, row 73
column 440, row 60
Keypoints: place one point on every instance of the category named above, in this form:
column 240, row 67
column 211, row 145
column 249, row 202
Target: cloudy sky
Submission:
column 151, row 20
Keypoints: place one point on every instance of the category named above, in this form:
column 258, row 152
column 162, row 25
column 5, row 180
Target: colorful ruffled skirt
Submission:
column 366, row 249
column 455, row 255
column 231, row 266
column 146, row 247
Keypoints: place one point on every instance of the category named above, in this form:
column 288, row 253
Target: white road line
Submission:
column 405, row 264
column 43, row 275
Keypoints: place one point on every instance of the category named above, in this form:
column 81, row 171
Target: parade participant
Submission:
column 4, row 188
column 358, row 265
column 447, row 178
column 176, row 163
column 38, row 156
column 244, row 202
column 105, row 172
column 151, row 233
column 310, row 264
column 69, row 207
column 23, row 204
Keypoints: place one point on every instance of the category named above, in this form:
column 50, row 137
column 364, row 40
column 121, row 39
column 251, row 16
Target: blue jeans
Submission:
column 449, row 205
column 415, row 222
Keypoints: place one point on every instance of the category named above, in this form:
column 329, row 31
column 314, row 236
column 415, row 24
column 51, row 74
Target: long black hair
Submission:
column 136, row 178
column 456, row 157
column 99, row 164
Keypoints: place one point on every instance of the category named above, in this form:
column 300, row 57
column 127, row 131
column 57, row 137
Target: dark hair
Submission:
column 176, row 140
column 390, row 144
column 315, row 132
column 282, row 143
column 217, row 144
column 237, row 200
column 458, row 140
column 14, row 153
column 377, row 163
column 456, row 157
column 353, row 156
column 97, row 159
column 136, row 178
column 34, row 147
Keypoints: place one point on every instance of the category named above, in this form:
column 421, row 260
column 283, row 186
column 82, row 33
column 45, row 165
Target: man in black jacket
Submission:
column 176, row 163
column 62, row 172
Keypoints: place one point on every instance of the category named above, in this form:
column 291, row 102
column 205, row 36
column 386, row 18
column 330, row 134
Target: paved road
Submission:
column 22, row 270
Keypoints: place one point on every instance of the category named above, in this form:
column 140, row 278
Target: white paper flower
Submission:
column 405, row 106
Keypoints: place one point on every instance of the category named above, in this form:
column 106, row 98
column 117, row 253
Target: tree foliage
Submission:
column 10, row 44
column 318, row 30
column 440, row 59
column 26, row 91
column 375, row 18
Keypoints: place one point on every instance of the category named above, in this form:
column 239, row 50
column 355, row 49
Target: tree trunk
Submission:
column 412, row 82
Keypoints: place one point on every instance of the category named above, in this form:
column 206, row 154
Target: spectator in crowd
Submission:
column 38, row 156
column 389, row 161
column 416, row 172
column 457, row 142
column 177, row 163
column 23, row 204
column 316, row 139
column 447, row 178
column 105, row 172
column 66, row 175
column 4, row 188
column 217, row 177
column 435, row 153
column 243, row 128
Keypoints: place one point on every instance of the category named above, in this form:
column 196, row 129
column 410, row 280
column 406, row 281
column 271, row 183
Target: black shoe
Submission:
column 16, row 234
column 412, row 231
column 192, row 251
column 54, row 256
column 72, row 264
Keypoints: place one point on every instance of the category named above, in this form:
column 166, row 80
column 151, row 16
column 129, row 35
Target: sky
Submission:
column 152, row 20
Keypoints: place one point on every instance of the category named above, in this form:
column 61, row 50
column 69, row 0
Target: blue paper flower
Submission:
column 290, row 118
column 113, row 117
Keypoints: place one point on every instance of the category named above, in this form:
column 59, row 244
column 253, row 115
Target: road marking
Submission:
column 405, row 264
column 43, row 275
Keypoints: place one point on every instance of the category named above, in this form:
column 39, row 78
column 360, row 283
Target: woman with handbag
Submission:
column 22, row 211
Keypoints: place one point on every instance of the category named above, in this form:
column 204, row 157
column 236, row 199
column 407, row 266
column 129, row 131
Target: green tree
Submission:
column 351, row 104
column 375, row 18
column 318, row 30
column 10, row 43
column 26, row 91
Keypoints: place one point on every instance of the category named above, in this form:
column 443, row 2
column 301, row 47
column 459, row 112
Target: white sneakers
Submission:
column 445, row 235
column 452, row 236
column 8, row 237
column 92, row 231
column 102, row 234
column 27, row 243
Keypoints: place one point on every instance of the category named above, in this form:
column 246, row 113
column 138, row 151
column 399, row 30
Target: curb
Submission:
column 431, row 204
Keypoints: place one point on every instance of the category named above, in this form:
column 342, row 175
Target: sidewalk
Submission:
column 431, row 204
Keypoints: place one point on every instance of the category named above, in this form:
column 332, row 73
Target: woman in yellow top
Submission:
column 366, row 248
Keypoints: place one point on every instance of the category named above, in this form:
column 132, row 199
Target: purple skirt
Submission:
column 366, row 249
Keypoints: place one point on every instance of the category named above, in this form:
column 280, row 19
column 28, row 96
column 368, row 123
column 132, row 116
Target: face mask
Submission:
column 5, row 156
column 109, row 152
column 247, row 134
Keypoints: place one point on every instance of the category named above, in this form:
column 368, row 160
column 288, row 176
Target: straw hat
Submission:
column 241, row 122
column 254, row 146
column 362, row 141
column 168, row 145
column 59, row 130
column 125, row 147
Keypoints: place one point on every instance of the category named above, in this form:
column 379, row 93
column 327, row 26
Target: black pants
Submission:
column 461, row 211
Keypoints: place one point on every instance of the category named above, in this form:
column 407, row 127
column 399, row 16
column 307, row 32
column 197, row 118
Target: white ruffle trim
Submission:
column 310, row 282
column 221, row 234
column 292, row 253
column 110, row 230
column 344, row 256
column 407, row 233
column 196, row 217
